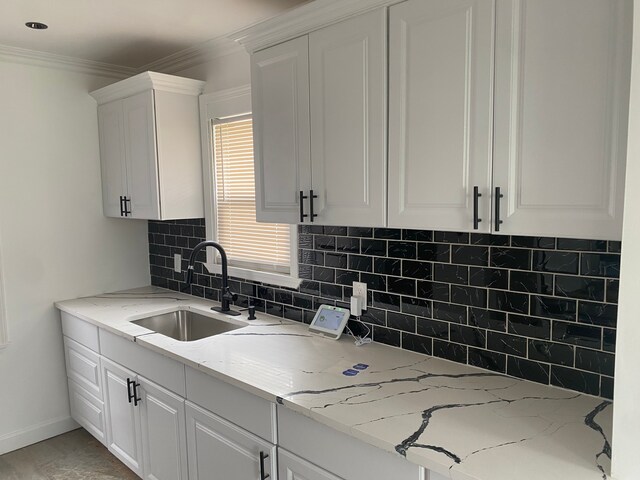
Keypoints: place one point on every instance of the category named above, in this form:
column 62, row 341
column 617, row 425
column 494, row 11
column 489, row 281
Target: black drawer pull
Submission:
column 263, row 457
column 129, row 394
column 499, row 195
column 303, row 215
column 311, row 197
column 476, row 196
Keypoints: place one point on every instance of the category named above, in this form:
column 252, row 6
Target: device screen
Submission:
column 329, row 319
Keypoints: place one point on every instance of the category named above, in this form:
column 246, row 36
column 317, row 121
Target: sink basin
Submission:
column 186, row 326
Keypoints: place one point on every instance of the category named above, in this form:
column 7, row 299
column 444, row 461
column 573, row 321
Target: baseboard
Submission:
column 36, row 433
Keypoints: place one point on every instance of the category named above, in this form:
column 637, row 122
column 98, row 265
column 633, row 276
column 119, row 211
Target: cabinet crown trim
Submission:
column 145, row 81
column 302, row 20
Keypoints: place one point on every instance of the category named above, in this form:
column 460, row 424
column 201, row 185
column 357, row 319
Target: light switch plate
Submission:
column 177, row 262
column 360, row 290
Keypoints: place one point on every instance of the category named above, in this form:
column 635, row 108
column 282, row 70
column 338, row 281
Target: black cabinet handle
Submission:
column 130, row 395
column 136, row 399
column 311, row 197
column 121, row 206
column 499, row 195
column 476, row 196
column 303, row 215
column 263, row 457
column 127, row 210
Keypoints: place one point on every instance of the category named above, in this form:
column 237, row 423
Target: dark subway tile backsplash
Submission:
column 539, row 308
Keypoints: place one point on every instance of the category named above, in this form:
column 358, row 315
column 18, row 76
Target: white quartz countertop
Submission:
column 462, row 422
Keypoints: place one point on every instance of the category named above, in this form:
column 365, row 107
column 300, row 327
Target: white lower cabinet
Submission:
column 292, row 467
column 219, row 450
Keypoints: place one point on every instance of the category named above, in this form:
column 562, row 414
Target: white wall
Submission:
column 56, row 242
column 221, row 73
column 626, row 407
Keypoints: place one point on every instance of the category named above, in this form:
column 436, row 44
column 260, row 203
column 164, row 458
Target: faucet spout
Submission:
column 226, row 297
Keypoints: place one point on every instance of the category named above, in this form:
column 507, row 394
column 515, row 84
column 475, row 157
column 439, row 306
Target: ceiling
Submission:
column 130, row 33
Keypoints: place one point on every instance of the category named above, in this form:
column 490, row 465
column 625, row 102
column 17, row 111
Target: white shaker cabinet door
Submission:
column 164, row 435
column 112, row 157
column 561, row 106
column 219, row 450
column 292, row 467
column 348, row 77
column 142, row 165
column 124, row 438
column 280, row 103
column 440, row 107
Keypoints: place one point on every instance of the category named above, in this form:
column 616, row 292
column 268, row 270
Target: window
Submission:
column 263, row 252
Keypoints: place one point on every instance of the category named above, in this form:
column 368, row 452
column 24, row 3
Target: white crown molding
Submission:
column 194, row 56
column 146, row 81
column 228, row 94
column 302, row 20
column 51, row 60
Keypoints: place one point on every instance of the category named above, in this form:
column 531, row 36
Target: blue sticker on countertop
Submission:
column 361, row 366
column 350, row 372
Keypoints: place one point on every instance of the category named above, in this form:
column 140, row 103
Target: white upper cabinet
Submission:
column 280, row 99
column 348, row 65
column 319, row 108
column 561, row 107
column 150, row 147
column 440, row 106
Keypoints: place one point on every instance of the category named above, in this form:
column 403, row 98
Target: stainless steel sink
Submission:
column 187, row 326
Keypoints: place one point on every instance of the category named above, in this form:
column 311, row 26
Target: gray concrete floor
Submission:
column 73, row 456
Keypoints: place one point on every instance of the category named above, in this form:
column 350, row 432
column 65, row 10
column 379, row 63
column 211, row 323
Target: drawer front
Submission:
column 87, row 410
column 326, row 447
column 292, row 467
column 252, row 413
column 83, row 366
column 162, row 370
column 80, row 331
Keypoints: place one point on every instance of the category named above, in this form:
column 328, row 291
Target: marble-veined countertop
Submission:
column 462, row 422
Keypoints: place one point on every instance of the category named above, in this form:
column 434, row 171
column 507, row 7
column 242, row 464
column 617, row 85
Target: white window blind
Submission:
column 249, row 244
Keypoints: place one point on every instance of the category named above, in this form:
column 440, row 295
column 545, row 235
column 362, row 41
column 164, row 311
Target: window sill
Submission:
column 276, row 279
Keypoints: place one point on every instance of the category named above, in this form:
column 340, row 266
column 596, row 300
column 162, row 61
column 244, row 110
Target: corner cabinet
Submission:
column 319, row 107
column 150, row 147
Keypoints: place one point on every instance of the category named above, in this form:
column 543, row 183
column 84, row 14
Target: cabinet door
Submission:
column 124, row 437
column 219, row 450
column 561, row 105
column 164, row 435
column 280, row 103
column 142, row 165
column 348, row 72
column 112, row 157
column 291, row 467
column 440, row 106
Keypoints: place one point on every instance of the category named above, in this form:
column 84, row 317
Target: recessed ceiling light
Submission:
column 37, row 25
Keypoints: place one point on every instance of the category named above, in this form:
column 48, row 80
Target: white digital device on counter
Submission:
column 329, row 321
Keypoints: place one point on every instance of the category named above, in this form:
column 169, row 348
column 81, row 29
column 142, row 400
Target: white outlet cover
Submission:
column 360, row 290
column 177, row 262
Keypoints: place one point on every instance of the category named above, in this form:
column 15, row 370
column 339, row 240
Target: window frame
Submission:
column 220, row 105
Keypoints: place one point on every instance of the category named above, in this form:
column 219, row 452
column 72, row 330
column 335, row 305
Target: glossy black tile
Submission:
column 594, row 361
column 401, row 321
column 489, row 277
column 348, row 244
column 360, row 232
column 373, row 247
column 402, row 250
column 534, row 242
column 360, row 263
column 508, row 301
column 402, row 286
column 529, row 326
column 374, row 281
column 386, row 336
column 504, row 343
column 330, row 230
column 449, row 312
column 490, row 319
column 450, row 351
column 323, row 274
column 324, row 242
column 302, row 301
column 614, row 247
column 608, row 340
column 283, row 296
column 471, row 296
column 434, row 291
column 580, row 287
column 311, row 257
column 451, row 237
column 415, row 269
column 387, row 266
column 416, row 306
column 551, row 307
column 434, row 252
column 470, row 255
column 612, row 291
column 432, row 328
column 577, row 334
column 528, row 370
column 488, row 360
column 600, row 264
column 475, row 337
column 310, row 287
column 486, row 239
column 603, row 314
column 417, row 343
column 531, row 282
column 575, row 380
column 328, row 290
column 347, row 277
column 556, row 262
column 451, row 273
column 582, row 245
column 418, row 235
column 512, row 258
column 275, row 309
column 606, row 387
column 336, row 260
column 388, row 233
column 387, row 301
column 551, row 352
column 374, row 316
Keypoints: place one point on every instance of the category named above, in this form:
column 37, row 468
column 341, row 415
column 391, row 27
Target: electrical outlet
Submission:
column 360, row 290
column 177, row 262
